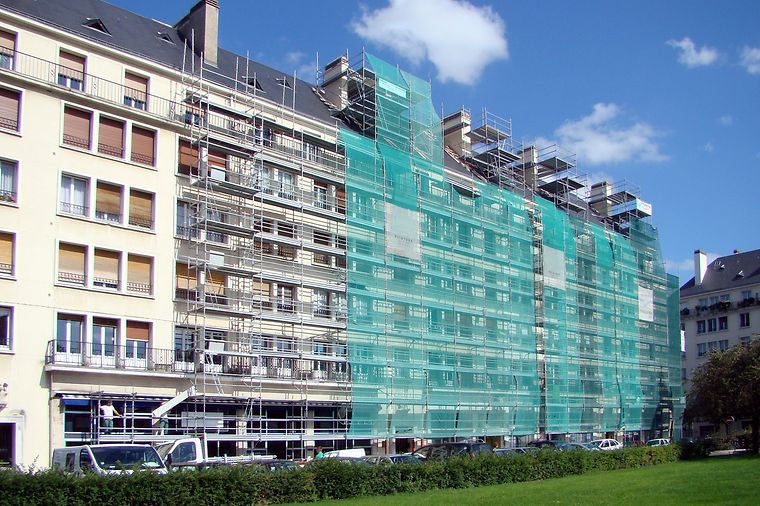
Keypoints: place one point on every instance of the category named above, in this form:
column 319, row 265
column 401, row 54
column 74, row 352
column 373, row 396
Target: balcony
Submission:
column 147, row 359
column 183, row 113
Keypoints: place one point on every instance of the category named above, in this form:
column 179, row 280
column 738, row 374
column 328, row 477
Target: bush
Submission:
column 324, row 479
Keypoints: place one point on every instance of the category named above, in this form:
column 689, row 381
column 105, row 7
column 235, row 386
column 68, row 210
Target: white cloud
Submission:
column 458, row 38
column 298, row 61
column 727, row 120
column 597, row 138
column 750, row 59
column 692, row 57
column 709, row 147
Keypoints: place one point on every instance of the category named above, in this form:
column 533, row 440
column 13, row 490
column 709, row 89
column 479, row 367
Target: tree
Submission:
column 727, row 387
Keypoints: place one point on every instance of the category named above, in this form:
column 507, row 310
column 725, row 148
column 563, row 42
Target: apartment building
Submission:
column 223, row 250
column 720, row 308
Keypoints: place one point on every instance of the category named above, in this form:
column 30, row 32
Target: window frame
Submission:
column 9, row 196
column 6, row 328
column 744, row 320
column 11, row 128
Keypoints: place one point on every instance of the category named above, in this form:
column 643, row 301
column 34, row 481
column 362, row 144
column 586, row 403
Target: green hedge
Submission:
column 324, row 479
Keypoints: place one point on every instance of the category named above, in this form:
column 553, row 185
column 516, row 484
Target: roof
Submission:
column 161, row 43
column 727, row 273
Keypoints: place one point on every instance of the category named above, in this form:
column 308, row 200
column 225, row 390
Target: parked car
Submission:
column 108, row 459
column 607, row 445
column 399, row 458
column 350, row 452
column 586, row 447
column 658, row 442
column 547, row 443
column 506, row 452
column 193, row 452
column 448, row 450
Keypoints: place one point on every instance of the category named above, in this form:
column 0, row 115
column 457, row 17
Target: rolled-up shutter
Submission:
column 108, row 199
column 7, row 42
column 140, row 208
column 139, row 273
column 136, row 87
column 76, row 127
column 107, row 265
column 6, row 252
column 143, row 145
column 111, row 137
column 138, row 331
column 9, row 100
column 71, row 65
column 71, row 261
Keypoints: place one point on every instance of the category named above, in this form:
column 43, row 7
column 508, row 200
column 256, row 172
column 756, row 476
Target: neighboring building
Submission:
column 720, row 307
column 221, row 249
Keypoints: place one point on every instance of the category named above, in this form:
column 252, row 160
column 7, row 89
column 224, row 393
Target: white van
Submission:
column 352, row 452
column 107, row 459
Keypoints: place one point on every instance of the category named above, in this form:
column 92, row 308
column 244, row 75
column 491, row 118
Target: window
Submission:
column 140, row 209
column 188, row 159
column 104, row 336
column 217, row 165
column 143, row 145
column 744, row 339
column 215, row 216
column 320, row 302
column 723, row 344
column 712, row 325
column 285, row 298
column 69, row 335
column 71, row 264
column 108, row 202
column 286, row 183
column 744, row 319
column 186, row 220
column 71, row 71
column 320, row 259
column 111, row 137
column 712, row 345
column 320, row 195
column 139, row 274
column 184, row 343
column 7, row 49
column 714, row 299
column 746, row 294
column 700, row 327
column 135, row 91
column 702, row 303
column 186, row 282
column 74, row 196
column 340, row 200
column 138, row 337
column 106, row 268
column 6, row 321
column 215, row 288
column 726, row 297
column 723, row 323
column 6, row 253
column 286, row 229
column 9, row 101
column 76, row 127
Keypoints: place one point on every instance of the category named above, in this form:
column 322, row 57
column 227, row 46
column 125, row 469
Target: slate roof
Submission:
column 139, row 36
column 727, row 273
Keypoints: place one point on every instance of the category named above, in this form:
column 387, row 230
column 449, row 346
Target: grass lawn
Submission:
column 724, row 480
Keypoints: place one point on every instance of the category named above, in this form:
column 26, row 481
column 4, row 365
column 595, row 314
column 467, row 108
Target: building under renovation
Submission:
column 224, row 250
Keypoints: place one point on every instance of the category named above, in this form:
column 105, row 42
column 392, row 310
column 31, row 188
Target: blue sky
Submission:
column 665, row 95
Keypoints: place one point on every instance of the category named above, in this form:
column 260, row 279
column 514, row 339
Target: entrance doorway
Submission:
column 7, row 432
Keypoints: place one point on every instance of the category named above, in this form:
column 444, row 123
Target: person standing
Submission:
column 107, row 413
column 319, row 453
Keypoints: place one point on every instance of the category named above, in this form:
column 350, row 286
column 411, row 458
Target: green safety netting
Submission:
column 473, row 311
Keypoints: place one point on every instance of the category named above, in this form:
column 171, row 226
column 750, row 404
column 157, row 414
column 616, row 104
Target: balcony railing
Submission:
column 72, row 278
column 8, row 123
column 192, row 115
column 135, row 287
column 70, row 208
column 7, row 195
column 6, row 268
column 140, row 221
column 160, row 360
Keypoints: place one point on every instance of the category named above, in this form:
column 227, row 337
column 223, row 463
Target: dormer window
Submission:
column 96, row 24
column 283, row 81
column 165, row 37
column 254, row 83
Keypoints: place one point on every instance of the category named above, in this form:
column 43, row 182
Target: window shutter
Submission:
column 217, row 158
column 139, row 269
column 186, row 278
column 71, row 258
column 71, row 65
column 188, row 158
column 138, row 331
column 140, row 208
column 108, row 198
column 215, row 283
column 111, row 137
column 106, row 264
column 137, row 87
column 7, row 42
column 76, row 127
column 9, row 100
column 143, row 142
column 6, row 249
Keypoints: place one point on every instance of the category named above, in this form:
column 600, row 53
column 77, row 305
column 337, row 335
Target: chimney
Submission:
column 700, row 266
column 203, row 22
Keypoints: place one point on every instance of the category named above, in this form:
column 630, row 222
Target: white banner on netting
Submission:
column 402, row 232
column 646, row 304
column 554, row 268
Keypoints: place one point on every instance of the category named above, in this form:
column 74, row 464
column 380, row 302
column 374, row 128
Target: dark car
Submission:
column 404, row 458
column 447, row 450
column 548, row 443
column 506, row 452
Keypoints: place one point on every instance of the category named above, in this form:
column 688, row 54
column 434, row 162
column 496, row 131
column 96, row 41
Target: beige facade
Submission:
column 168, row 232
